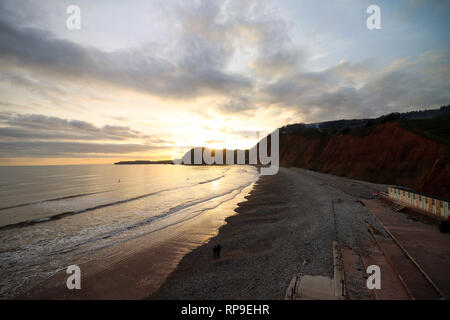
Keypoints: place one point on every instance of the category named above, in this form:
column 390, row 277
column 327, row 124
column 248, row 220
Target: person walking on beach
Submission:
column 218, row 250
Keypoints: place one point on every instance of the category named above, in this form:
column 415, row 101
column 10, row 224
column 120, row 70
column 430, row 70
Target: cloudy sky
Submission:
column 148, row 79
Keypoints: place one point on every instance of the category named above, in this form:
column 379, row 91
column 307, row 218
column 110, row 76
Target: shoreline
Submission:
column 285, row 227
column 142, row 265
column 200, row 263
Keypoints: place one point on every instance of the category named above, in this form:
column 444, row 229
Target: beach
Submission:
column 125, row 236
column 286, row 226
column 283, row 224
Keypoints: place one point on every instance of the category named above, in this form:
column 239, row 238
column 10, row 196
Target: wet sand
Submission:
column 139, row 267
column 287, row 226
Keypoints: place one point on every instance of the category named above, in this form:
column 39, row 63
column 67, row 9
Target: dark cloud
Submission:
column 352, row 90
column 198, row 69
column 42, row 127
column 207, row 37
column 41, row 136
column 238, row 105
column 277, row 55
column 68, row 149
column 280, row 63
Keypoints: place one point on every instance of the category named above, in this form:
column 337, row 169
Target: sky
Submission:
column 150, row 79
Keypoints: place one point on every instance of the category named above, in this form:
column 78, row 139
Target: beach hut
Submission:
column 446, row 209
column 434, row 205
column 424, row 202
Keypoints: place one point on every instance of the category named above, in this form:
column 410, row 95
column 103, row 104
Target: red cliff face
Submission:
column 388, row 154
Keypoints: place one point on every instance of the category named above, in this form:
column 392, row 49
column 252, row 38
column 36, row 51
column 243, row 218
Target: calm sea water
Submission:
column 52, row 215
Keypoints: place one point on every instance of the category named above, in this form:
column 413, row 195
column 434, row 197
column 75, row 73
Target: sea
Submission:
column 54, row 216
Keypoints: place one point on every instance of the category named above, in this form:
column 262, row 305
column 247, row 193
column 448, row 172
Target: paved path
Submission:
column 429, row 248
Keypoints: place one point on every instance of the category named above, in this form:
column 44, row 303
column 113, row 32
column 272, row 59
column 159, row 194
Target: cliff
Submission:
column 391, row 150
column 409, row 149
